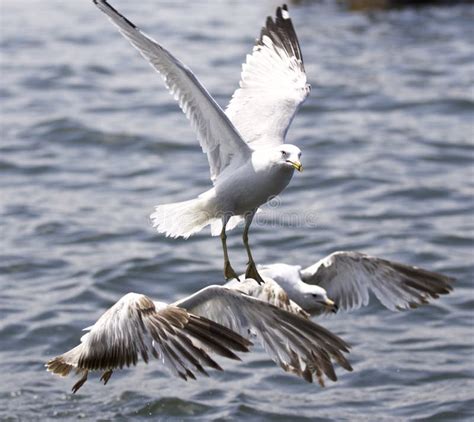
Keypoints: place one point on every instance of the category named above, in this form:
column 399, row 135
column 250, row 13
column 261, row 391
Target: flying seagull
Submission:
column 136, row 326
column 245, row 146
column 215, row 319
column 344, row 280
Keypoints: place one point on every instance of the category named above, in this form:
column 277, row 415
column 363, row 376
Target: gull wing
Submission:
column 216, row 134
column 348, row 277
column 134, row 328
column 295, row 343
column 272, row 86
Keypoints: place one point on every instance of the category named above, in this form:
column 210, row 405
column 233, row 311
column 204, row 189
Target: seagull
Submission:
column 344, row 280
column 248, row 158
column 136, row 326
column 215, row 319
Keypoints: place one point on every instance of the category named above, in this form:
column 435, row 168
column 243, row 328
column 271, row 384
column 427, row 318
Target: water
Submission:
column 91, row 141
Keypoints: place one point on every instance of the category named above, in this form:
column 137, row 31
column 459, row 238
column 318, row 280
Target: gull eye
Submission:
column 283, row 153
column 314, row 295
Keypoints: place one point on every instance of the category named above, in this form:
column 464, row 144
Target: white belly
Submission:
column 246, row 189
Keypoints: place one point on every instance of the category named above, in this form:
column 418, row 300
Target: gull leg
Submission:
column 106, row 376
column 229, row 272
column 81, row 382
column 251, row 268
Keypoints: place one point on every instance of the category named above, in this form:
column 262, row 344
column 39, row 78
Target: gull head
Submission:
column 290, row 156
column 287, row 156
column 312, row 298
column 316, row 301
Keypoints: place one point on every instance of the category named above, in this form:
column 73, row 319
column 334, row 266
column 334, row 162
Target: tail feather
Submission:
column 181, row 219
column 63, row 364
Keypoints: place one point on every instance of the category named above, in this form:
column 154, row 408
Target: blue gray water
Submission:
column 91, row 141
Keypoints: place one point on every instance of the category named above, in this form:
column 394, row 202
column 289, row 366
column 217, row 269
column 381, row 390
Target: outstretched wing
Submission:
column 218, row 137
column 272, row 85
column 134, row 328
column 348, row 277
column 295, row 343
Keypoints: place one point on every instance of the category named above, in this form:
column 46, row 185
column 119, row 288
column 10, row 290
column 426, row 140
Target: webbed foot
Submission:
column 106, row 376
column 80, row 383
column 253, row 273
column 229, row 272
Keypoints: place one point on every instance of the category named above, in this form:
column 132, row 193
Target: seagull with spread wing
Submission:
column 136, row 327
column 344, row 280
column 245, row 146
column 216, row 320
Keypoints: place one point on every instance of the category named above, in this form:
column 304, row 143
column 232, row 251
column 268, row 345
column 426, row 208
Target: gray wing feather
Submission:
column 349, row 277
column 217, row 136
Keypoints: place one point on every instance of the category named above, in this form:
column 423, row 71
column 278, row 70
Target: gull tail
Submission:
column 181, row 219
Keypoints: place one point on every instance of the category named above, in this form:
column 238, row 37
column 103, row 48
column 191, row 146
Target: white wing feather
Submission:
column 216, row 134
column 272, row 87
column 349, row 277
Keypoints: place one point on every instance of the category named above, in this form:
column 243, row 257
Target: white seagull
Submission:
column 183, row 334
column 344, row 280
column 245, row 146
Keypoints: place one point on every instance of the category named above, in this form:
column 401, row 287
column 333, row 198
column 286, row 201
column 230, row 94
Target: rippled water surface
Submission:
column 91, row 141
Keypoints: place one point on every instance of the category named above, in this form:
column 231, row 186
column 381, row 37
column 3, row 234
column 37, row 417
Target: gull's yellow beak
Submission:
column 296, row 164
column 329, row 302
column 331, row 305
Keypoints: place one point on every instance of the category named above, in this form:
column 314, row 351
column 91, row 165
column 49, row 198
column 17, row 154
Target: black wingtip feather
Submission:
column 190, row 374
column 104, row 3
column 282, row 34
